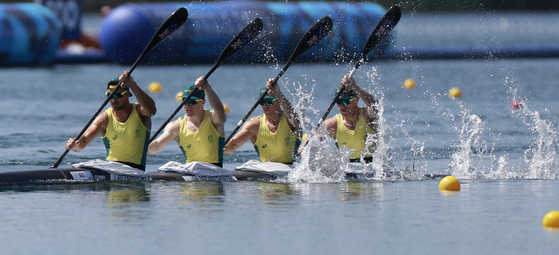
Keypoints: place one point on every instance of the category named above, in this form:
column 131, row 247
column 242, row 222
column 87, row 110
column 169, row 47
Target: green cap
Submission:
column 113, row 82
column 267, row 97
column 199, row 94
column 346, row 94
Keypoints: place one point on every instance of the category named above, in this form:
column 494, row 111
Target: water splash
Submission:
column 381, row 167
column 414, row 170
column 541, row 157
column 469, row 144
column 319, row 162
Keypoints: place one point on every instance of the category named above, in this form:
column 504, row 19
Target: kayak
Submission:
column 100, row 170
column 257, row 170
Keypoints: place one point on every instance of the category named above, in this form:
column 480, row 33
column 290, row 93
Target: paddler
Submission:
column 200, row 132
column 125, row 127
column 353, row 124
column 275, row 134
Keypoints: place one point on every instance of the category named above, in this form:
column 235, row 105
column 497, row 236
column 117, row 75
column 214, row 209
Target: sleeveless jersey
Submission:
column 204, row 145
column 126, row 142
column 354, row 139
column 276, row 147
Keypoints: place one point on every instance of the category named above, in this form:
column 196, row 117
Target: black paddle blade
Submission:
column 383, row 28
column 249, row 32
column 246, row 35
column 313, row 36
column 170, row 25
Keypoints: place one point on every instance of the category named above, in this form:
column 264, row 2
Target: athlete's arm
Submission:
column 249, row 131
column 170, row 133
column 97, row 127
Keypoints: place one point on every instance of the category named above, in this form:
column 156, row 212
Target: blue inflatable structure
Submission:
column 29, row 34
column 210, row 26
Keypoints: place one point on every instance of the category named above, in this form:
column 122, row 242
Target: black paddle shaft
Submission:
column 170, row 25
column 247, row 34
column 383, row 28
column 312, row 37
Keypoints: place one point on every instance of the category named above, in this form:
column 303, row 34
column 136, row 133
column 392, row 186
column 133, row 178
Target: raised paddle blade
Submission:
column 383, row 28
column 246, row 35
column 170, row 25
column 249, row 32
column 312, row 37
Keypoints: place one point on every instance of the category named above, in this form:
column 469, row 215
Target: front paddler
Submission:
column 353, row 124
column 275, row 134
column 125, row 127
column 200, row 132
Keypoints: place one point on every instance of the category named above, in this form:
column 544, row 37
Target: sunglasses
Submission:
column 117, row 95
column 193, row 101
column 268, row 101
column 345, row 101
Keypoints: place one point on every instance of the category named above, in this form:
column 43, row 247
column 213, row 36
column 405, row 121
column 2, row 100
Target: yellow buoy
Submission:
column 409, row 84
column 155, row 87
column 449, row 183
column 178, row 96
column 226, row 108
column 455, row 92
column 551, row 220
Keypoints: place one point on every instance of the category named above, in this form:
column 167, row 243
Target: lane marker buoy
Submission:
column 455, row 93
column 449, row 183
column 155, row 87
column 409, row 84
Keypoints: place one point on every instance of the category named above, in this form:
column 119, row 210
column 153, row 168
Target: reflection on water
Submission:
column 126, row 200
column 128, row 195
column 204, row 193
column 361, row 191
column 275, row 193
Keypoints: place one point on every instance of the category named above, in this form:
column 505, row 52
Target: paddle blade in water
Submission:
column 383, row 28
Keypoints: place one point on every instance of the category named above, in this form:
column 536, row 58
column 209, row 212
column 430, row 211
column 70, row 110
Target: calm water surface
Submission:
column 505, row 158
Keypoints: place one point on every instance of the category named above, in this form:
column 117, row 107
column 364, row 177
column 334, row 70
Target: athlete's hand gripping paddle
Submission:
column 312, row 37
column 246, row 35
column 170, row 25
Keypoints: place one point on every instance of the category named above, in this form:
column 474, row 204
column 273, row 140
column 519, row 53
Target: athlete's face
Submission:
column 348, row 107
column 119, row 99
column 193, row 106
column 270, row 106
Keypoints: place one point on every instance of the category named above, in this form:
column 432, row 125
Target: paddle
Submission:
column 246, row 35
column 383, row 28
column 170, row 25
column 313, row 36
